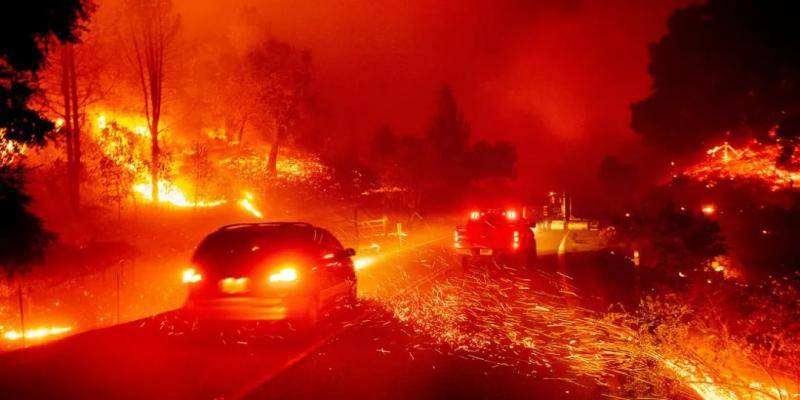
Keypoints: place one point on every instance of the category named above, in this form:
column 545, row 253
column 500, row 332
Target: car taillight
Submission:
column 190, row 275
column 515, row 243
column 474, row 215
column 456, row 239
column 283, row 275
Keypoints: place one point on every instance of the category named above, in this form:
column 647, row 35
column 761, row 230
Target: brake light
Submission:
column 456, row 239
column 328, row 256
column 515, row 243
column 284, row 275
column 474, row 215
column 511, row 215
column 190, row 275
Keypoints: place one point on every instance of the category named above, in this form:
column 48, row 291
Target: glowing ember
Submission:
column 503, row 318
column 363, row 262
column 754, row 162
column 247, row 204
column 37, row 333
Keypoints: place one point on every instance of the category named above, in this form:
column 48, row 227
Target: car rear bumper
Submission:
column 248, row 308
column 486, row 252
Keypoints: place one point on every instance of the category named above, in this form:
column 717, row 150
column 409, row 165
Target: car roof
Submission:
column 257, row 225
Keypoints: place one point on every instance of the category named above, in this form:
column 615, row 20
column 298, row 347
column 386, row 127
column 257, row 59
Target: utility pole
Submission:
column 355, row 226
column 21, row 314
column 118, row 292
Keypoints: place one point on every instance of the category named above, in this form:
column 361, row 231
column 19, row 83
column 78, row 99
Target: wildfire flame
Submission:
column 168, row 191
column 247, row 204
column 37, row 333
column 171, row 194
column 754, row 162
column 10, row 151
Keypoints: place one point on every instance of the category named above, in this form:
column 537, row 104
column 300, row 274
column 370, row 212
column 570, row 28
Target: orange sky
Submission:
column 557, row 76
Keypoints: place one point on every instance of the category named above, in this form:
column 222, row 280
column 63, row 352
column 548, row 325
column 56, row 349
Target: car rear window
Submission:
column 491, row 220
column 236, row 248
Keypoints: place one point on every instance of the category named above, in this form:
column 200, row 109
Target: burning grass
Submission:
column 671, row 346
column 753, row 162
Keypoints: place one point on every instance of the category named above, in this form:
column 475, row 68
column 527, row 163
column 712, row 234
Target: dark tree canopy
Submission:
column 442, row 164
column 23, row 239
column 723, row 66
column 281, row 76
column 672, row 239
column 26, row 30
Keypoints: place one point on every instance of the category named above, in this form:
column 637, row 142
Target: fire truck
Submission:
column 503, row 235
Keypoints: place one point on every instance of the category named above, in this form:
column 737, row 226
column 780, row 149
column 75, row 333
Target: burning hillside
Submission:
column 753, row 162
column 205, row 173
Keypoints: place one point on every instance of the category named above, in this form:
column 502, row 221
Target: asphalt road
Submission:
column 361, row 352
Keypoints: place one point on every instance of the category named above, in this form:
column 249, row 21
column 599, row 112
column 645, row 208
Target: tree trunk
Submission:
column 66, row 88
column 154, row 156
column 76, row 133
column 272, row 162
column 241, row 128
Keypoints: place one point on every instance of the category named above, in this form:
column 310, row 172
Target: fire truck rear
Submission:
column 498, row 235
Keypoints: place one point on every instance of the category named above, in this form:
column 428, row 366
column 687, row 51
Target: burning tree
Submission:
column 201, row 170
column 117, row 165
column 152, row 28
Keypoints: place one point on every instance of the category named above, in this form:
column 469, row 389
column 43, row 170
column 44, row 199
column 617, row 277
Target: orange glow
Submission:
column 511, row 215
column 191, row 275
column 170, row 194
column 288, row 274
column 247, row 204
column 754, row 162
column 10, row 151
column 36, row 333
column 363, row 262
column 515, row 244
column 474, row 215
column 709, row 209
column 116, row 137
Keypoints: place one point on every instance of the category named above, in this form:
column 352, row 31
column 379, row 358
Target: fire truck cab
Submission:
column 503, row 235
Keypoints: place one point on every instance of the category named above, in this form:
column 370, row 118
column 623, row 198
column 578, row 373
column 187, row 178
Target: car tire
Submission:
column 530, row 257
column 311, row 316
column 466, row 262
column 518, row 260
column 352, row 296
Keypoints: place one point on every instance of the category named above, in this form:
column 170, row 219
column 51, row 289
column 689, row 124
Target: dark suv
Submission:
column 269, row 271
